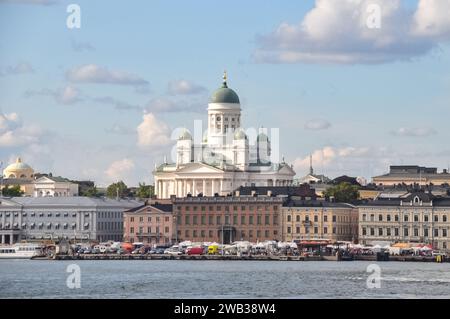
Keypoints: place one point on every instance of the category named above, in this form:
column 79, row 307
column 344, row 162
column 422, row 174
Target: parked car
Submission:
column 172, row 252
column 194, row 250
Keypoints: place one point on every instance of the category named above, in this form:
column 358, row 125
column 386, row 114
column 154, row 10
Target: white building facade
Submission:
column 224, row 159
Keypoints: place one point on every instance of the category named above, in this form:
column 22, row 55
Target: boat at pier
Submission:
column 20, row 251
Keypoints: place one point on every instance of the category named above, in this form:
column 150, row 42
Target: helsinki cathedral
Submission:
column 224, row 157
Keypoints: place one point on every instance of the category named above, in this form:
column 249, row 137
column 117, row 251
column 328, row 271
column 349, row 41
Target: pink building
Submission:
column 149, row 224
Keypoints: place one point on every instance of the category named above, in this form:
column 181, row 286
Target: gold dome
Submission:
column 18, row 170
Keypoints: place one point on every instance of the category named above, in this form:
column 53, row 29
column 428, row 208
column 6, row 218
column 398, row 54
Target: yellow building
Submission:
column 319, row 219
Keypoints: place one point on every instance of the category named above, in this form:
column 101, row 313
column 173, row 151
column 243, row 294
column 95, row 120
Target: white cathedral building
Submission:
column 223, row 159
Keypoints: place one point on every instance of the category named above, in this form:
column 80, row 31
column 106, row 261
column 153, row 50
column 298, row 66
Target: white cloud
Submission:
column 66, row 95
column 152, row 132
column 14, row 133
column 337, row 32
column 414, row 132
column 317, row 124
column 119, row 105
column 19, row 68
column 120, row 170
column 92, row 73
column 184, row 87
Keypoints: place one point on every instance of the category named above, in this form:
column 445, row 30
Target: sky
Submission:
column 359, row 84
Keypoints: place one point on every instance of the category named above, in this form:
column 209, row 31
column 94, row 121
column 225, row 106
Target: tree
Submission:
column 13, row 191
column 115, row 189
column 90, row 192
column 145, row 191
column 343, row 192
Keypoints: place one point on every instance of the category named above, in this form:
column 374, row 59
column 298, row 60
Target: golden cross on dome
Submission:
column 225, row 77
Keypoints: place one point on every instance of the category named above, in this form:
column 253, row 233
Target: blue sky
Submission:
column 358, row 100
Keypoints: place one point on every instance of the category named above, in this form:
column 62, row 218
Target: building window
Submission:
column 266, row 233
column 289, row 230
column 372, row 231
column 388, row 232
column 405, row 232
column 250, row 233
column 194, row 220
column 250, row 220
column 218, row 220
column 258, row 234
column 203, row 208
column 444, row 232
column 444, row 218
column 425, row 232
column 316, row 218
column 396, row 231
column 372, row 217
column 297, row 230
column 364, row 217
column 416, row 232
column 396, row 218
column 211, row 219
column 210, row 233
column 203, row 219
column 334, row 230
column 325, row 230
column 227, row 219
column 202, row 234
column 131, row 230
column 380, row 231
column 405, row 218
column 149, row 219
column 194, row 233
column 436, row 218
column 325, row 218
column 316, row 230
column 186, row 234
column 235, row 219
column 166, row 219
column 380, row 218
column 334, row 218
column 242, row 219
column 187, row 219
column 425, row 218
column 258, row 220
column 131, row 219
column 388, row 217
column 297, row 218
column 289, row 218
column 364, row 231
column 416, row 218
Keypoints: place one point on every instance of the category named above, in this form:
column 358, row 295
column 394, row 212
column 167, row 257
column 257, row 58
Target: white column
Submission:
column 193, row 187
column 204, row 187
column 183, row 185
column 164, row 189
column 3, row 239
column 221, row 187
column 212, row 187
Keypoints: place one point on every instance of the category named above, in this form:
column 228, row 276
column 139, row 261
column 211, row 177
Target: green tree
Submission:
column 145, row 191
column 91, row 192
column 115, row 189
column 343, row 192
column 13, row 191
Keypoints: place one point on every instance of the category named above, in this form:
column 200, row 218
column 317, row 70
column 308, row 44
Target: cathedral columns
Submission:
column 204, row 187
column 164, row 190
column 212, row 187
column 193, row 187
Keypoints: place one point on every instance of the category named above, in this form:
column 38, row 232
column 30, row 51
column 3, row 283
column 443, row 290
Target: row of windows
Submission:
column 334, row 218
column 149, row 219
column 235, row 219
column 227, row 208
column 63, row 214
column 316, row 230
column 110, row 225
column 202, row 234
column 42, row 226
column 380, row 231
column 149, row 230
column 426, row 218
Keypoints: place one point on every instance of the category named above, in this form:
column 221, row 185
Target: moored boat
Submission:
column 20, row 251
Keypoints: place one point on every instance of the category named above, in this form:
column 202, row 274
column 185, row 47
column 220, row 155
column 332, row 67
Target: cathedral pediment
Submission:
column 198, row 168
column 286, row 169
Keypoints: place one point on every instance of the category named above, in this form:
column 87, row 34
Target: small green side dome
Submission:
column 240, row 135
column 262, row 137
column 185, row 135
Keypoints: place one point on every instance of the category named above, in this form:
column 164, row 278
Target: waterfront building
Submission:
column 412, row 174
column 224, row 159
column 54, row 186
column 149, row 224
column 319, row 220
column 228, row 218
column 74, row 218
column 416, row 217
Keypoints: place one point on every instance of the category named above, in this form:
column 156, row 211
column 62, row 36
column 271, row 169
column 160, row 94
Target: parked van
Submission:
column 213, row 250
column 195, row 251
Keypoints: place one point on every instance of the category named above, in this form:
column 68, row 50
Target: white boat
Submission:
column 20, row 251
